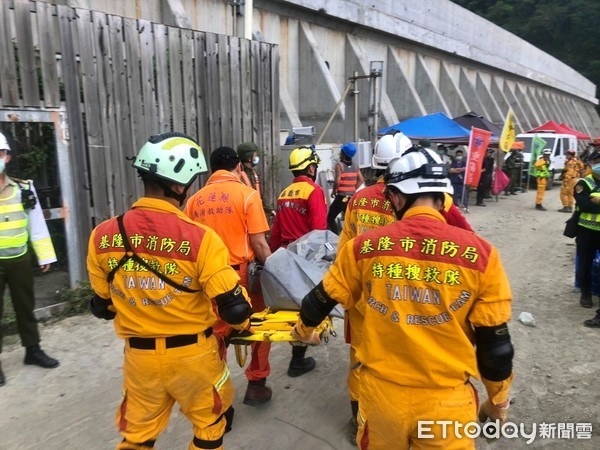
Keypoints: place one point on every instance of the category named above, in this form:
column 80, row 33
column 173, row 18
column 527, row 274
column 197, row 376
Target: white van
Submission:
column 558, row 143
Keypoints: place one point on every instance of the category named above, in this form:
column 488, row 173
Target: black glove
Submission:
column 100, row 308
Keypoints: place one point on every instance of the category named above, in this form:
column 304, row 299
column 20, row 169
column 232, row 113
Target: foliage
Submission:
column 566, row 30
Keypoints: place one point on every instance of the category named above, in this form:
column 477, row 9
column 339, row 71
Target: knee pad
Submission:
column 494, row 352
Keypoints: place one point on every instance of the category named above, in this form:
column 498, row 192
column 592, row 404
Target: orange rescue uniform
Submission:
column 154, row 379
column 235, row 211
column 422, row 285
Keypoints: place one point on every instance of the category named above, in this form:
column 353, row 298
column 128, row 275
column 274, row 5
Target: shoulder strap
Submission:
column 130, row 254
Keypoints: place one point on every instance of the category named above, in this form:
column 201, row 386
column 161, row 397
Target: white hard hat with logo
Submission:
column 418, row 172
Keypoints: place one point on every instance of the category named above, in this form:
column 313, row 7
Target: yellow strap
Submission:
column 241, row 354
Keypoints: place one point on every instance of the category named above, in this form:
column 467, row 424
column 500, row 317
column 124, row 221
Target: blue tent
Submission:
column 437, row 127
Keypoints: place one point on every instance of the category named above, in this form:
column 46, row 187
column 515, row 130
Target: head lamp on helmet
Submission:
column 173, row 157
column 302, row 157
column 418, row 172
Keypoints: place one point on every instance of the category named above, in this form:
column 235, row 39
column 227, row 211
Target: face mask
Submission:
column 255, row 161
column 2, row 165
column 595, row 169
column 459, row 158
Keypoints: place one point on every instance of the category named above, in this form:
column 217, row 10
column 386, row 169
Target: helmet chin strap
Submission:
column 410, row 200
column 172, row 194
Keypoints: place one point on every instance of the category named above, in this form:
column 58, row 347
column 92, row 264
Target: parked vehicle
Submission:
column 557, row 143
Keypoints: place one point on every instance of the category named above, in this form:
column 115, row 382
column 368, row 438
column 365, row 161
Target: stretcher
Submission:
column 268, row 326
column 288, row 275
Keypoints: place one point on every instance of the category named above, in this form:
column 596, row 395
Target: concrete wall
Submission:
column 437, row 57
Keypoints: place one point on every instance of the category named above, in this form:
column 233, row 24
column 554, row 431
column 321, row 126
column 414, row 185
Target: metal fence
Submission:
column 115, row 81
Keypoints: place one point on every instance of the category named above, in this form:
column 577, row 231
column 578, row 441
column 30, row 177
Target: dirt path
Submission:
column 557, row 376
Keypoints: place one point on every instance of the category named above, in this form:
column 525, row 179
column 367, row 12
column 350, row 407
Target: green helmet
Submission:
column 174, row 157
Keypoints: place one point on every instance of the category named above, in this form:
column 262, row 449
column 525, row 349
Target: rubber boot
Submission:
column 257, row 393
column 353, row 423
column 299, row 365
column 586, row 300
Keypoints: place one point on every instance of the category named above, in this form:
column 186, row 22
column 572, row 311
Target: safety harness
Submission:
column 130, row 254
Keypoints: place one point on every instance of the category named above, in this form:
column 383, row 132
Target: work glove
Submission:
column 102, row 308
column 304, row 334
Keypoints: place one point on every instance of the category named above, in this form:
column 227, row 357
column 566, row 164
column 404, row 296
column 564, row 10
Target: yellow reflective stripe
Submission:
column 15, row 207
column 13, row 241
column 43, row 248
column 22, row 223
column 219, row 384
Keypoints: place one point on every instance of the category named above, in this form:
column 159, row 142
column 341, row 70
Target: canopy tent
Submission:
column 550, row 126
column 578, row 134
column 436, row 127
column 472, row 119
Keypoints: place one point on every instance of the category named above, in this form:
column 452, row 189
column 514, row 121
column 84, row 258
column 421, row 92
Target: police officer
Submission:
column 587, row 198
column 155, row 272
column 543, row 177
column 429, row 292
column 23, row 222
column 347, row 180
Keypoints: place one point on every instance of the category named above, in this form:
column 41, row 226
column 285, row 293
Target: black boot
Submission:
column 353, row 423
column 257, row 393
column 35, row 355
column 586, row 300
column 299, row 365
column 2, row 380
column 539, row 207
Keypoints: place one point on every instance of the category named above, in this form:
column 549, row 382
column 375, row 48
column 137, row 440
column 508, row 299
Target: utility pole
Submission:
column 375, row 99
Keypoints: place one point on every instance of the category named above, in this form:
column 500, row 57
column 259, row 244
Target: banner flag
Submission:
column 537, row 145
column 508, row 132
column 478, row 144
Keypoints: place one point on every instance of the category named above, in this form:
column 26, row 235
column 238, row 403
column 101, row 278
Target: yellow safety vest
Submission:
column 14, row 222
column 587, row 219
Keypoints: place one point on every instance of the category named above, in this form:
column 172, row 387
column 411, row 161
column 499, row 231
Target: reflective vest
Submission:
column 587, row 219
column 542, row 169
column 14, row 222
column 348, row 179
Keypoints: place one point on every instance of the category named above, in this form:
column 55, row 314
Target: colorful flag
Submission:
column 478, row 144
column 508, row 132
column 537, row 145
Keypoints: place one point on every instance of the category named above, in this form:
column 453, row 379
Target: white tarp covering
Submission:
column 290, row 273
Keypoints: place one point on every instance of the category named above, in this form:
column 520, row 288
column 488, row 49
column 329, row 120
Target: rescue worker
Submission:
column 587, row 198
column 155, row 271
column 347, row 180
column 457, row 170
column 571, row 173
column 235, row 212
column 513, row 167
column 543, row 174
column 301, row 208
column 367, row 210
column 429, row 292
column 248, row 154
column 23, row 222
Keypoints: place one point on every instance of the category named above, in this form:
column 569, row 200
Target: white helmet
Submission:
column 388, row 148
column 418, row 171
column 4, row 143
column 546, row 151
column 171, row 156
